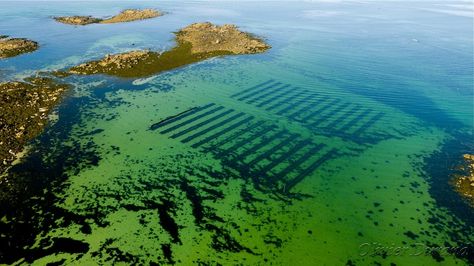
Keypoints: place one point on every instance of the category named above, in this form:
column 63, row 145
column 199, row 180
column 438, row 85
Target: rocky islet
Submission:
column 196, row 42
column 10, row 47
column 127, row 15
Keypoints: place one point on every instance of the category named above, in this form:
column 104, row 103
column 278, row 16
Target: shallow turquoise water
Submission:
column 332, row 148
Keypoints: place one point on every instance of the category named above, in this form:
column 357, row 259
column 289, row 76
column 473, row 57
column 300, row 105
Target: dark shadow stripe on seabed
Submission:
column 213, row 127
column 310, row 169
column 223, row 131
column 259, row 91
column 218, row 108
column 265, row 95
column 272, row 150
column 201, row 124
column 246, row 140
column 179, row 116
column 331, row 113
column 369, row 123
column 315, row 112
column 234, row 135
column 342, row 117
column 294, row 165
column 265, row 141
column 252, row 88
column 286, row 100
column 275, row 97
column 296, row 104
column 355, row 120
column 274, row 162
column 308, row 106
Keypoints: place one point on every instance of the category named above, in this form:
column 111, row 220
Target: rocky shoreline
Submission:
column 24, row 109
column 195, row 43
column 127, row 15
column 10, row 47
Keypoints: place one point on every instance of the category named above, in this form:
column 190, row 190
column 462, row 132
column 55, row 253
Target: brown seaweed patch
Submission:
column 464, row 184
column 127, row 15
column 195, row 43
column 24, row 108
column 10, row 47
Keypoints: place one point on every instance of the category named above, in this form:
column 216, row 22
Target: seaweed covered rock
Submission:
column 24, row 109
column 10, row 47
column 464, row 184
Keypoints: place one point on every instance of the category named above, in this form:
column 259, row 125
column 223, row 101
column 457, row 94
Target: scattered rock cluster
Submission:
column 24, row 108
column 465, row 184
column 10, row 47
column 124, row 16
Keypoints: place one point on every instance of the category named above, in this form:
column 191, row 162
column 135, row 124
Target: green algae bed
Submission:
column 24, row 109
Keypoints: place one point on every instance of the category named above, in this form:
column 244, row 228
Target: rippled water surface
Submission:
column 333, row 148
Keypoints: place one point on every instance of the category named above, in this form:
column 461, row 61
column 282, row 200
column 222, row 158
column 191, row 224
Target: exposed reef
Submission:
column 127, row 15
column 195, row 43
column 464, row 184
column 10, row 47
column 24, row 109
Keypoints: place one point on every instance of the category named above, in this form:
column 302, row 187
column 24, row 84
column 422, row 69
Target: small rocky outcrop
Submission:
column 10, row 47
column 207, row 37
